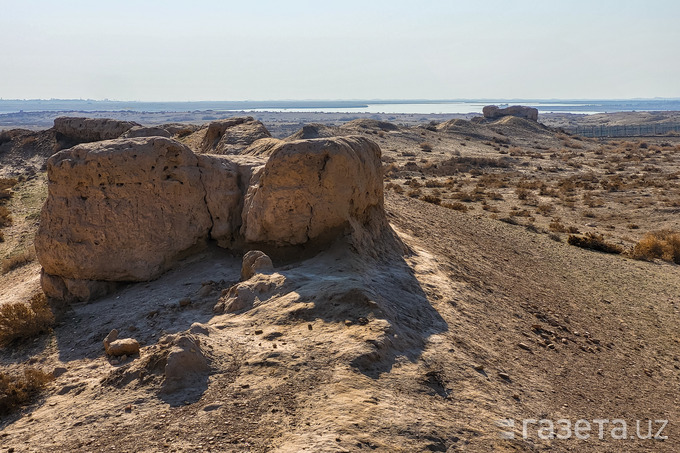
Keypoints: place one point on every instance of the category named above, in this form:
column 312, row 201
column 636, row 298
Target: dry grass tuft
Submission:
column 663, row 244
column 17, row 390
column 456, row 206
column 19, row 320
column 594, row 241
column 5, row 217
column 17, row 261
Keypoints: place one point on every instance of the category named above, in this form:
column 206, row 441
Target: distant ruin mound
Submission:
column 493, row 112
column 316, row 130
column 366, row 123
column 74, row 130
column 232, row 135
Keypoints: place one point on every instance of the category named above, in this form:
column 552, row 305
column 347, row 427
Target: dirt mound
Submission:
column 519, row 111
column 512, row 125
column 316, row 130
column 73, row 130
column 140, row 131
column 262, row 148
column 25, row 152
column 232, row 135
column 365, row 123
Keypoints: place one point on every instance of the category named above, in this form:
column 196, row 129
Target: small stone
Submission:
column 348, row 322
column 362, row 321
column 503, row 375
column 184, row 302
column 309, row 326
column 524, row 346
column 58, row 371
column 258, row 332
column 478, row 367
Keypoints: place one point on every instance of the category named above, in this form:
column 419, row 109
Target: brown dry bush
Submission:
column 16, row 261
column 19, row 320
column 395, row 187
column 462, row 164
column 19, row 389
column 663, row 244
column 545, row 209
column 431, row 199
column 557, row 226
column 5, row 217
column 5, row 185
column 456, row 206
column 594, row 241
column 434, row 183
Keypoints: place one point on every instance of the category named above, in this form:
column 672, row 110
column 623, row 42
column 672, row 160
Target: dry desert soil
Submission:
column 478, row 311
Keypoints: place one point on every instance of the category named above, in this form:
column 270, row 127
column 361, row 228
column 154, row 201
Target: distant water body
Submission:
column 396, row 106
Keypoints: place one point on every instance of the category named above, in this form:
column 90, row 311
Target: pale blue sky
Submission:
column 263, row 50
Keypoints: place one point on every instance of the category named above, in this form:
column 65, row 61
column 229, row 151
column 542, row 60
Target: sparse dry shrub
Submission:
column 431, row 199
column 414, row 183
column 594, row 241
column 395, row 187
column 16, row 261
column 522, row 193
column 557, row 226
column 545, row 208
column 589, row 214
column 5, row 185
column 467, row 197
column 462, row 164
column 456, row 206
column 5, row 217
column 425, row 146
column 591, row 201
column 17, row 390
column 415, row 193
column 516, row 212
column 532, row 184
column 573, row 230
column 434, row 183
column 20, row 321
column 494, row 196
column 390, row 169
column 663, row 244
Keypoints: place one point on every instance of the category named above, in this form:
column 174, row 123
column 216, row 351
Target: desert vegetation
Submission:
column 22, row 321
column 19, row 388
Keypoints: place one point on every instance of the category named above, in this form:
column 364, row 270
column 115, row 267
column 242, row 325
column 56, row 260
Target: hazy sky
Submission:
column 345, row 49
